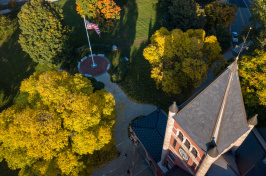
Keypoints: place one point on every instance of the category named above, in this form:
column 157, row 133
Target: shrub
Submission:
column 12, row 4
column 121, row 71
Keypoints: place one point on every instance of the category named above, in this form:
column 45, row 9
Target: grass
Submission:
column 139, row 20
column 15, row 65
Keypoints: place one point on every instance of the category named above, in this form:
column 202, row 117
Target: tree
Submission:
column 179, row 59
column 252, row 72
column 223, row 36
column 62, row 121
column 4, row 27
column 258, row 18
column 182, row 14
column 220, row 13
column 102, row 12
column 43, row 35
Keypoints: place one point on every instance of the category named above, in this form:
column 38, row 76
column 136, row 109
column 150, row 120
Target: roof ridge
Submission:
column 222, row 109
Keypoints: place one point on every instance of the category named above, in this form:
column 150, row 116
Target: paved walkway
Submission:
column 126, row 111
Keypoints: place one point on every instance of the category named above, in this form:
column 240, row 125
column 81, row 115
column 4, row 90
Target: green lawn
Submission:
column 139, row 20
column 15, row 65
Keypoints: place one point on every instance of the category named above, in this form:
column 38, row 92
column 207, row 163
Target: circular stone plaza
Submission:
column 87, row 69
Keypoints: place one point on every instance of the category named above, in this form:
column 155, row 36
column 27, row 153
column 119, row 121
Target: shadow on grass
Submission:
column 15, row 65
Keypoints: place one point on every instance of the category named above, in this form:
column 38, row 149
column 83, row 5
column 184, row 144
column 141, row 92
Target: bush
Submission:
column 98, row 85
column 12, row 4
column 121, row 71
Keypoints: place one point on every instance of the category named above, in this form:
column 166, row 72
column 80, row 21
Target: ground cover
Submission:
column 139, row 20
column 15, row 65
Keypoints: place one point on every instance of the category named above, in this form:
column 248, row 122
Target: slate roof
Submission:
column 151, row 130
column 249, row 157
column 177, row 171
column 198, row 116
column 220, row 168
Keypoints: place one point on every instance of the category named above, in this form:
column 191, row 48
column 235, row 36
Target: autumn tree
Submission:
column 43, row 35
column 258, row 18
column 252, row 72
column 220, row 13
column 61, row 121
column 101, row 12
column 182, row 14
column 179, row 59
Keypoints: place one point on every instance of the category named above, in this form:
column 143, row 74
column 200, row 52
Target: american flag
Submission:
column 92, row 26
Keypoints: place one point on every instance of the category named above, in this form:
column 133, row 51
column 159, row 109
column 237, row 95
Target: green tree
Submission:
column 62, row 121
column 43, row 35
column 179, row 59
column 252, row 72
column 101, row 12
column 182, row 14
column 220, row 13
column 223, row 36
column 258, row 18
column 4, row 27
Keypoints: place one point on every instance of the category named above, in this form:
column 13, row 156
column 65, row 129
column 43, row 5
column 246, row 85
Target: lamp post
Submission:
column 243, row 43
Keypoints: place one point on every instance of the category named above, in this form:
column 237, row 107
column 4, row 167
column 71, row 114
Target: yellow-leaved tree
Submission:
column 179, row 59
column 62, row 120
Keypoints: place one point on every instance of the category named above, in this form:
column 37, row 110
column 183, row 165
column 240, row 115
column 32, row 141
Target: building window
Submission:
column 169, row 166
column 193, row 166
column 194, row 152
column 172, row 156
column 174, row 143
column 180, row 136
column 187, row 144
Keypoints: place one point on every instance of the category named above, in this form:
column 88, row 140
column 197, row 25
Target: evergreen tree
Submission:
column 62, row 121
column 43, row 35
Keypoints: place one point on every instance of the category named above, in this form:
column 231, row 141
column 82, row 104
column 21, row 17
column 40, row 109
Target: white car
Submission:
column 234, row 37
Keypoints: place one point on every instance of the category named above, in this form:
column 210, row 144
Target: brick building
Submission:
column 203, row 135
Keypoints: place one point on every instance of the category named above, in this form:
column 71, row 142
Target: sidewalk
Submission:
column 127, row 110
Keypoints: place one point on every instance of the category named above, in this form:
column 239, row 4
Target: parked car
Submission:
column 234, row 37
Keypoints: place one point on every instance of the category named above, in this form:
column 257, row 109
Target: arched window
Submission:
column 180, row 136
column 174, row 143
column 187, row 144
column 194, row 152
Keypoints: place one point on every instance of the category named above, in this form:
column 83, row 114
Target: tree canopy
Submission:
column 182, row 14
column 179, row 59
column 252, row 72
column 43, row 35
column 101, row 12
column 4, row 27
column 61, row 121
column 220, row 13
column 258, row 18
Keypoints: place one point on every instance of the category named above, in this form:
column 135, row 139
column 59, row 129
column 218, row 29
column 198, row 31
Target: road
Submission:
column 243, row 15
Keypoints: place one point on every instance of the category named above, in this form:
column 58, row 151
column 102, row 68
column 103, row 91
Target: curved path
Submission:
column 127, row 110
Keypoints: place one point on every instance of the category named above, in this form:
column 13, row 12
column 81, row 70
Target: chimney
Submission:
column 173, row 109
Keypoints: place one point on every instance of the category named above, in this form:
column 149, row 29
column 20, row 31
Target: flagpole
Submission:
column 93, row 64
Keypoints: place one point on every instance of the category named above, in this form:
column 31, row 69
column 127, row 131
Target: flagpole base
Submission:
column 93, row 65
